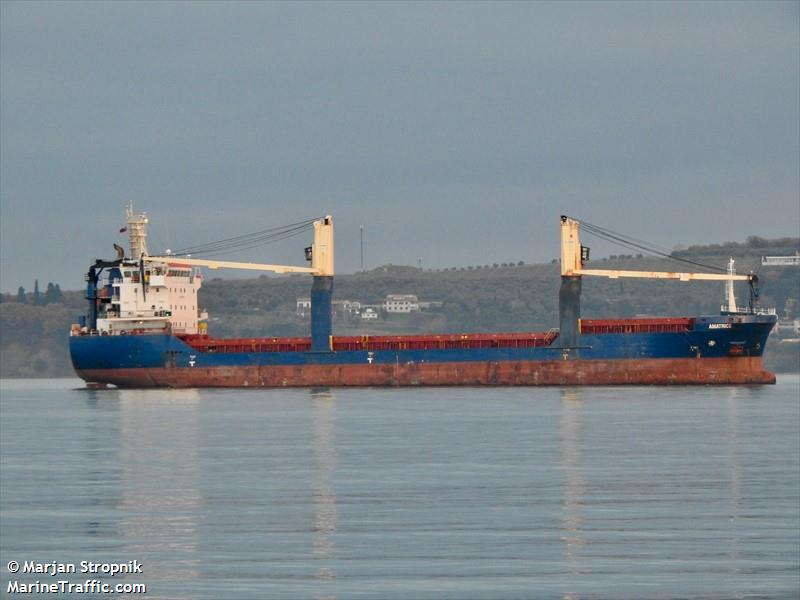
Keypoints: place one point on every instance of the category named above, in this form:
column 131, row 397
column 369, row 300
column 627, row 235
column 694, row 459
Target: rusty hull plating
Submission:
column 683, row 371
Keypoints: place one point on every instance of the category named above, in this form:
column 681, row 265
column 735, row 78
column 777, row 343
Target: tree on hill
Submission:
column 21, row 298
column 53, row 294
column 37, row 296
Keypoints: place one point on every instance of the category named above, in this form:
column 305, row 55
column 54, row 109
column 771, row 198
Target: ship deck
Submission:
column 205, row 343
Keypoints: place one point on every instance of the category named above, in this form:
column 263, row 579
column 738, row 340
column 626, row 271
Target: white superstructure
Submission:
column 164, row 298
column 144, row 294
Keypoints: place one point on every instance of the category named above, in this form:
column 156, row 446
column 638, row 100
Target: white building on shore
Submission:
column 401, row 303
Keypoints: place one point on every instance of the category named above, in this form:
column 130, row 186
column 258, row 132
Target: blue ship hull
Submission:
column 717, row 349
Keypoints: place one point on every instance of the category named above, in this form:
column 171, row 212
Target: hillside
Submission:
column 479, row 299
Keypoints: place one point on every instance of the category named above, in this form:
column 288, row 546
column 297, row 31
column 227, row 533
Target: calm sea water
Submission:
column 396, row 493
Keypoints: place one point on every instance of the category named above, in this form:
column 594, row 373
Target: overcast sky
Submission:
column 455, row 133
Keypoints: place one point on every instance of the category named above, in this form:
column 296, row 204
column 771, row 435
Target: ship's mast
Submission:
column 730, row 298
column 137, row 232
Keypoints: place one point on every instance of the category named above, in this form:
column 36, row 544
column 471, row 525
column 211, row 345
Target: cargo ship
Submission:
column 143, row 328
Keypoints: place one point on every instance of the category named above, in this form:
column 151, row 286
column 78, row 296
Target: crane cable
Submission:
column 635, row 244
column 248, row 240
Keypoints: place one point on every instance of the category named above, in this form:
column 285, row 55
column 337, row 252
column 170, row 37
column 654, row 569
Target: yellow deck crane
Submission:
column 320, row 254
column 574, row 256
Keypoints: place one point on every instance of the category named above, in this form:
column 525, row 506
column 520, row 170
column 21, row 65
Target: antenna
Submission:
column 362, row 247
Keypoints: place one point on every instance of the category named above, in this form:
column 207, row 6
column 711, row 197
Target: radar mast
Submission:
column 137, row 232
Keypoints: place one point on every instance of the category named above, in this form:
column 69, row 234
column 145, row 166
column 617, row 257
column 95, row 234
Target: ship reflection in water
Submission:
column 734, row 468
column 326, row 516
column 570, row 493
column 163, row 504
column 570, row 429
column 596, row 509
column 161, row 500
